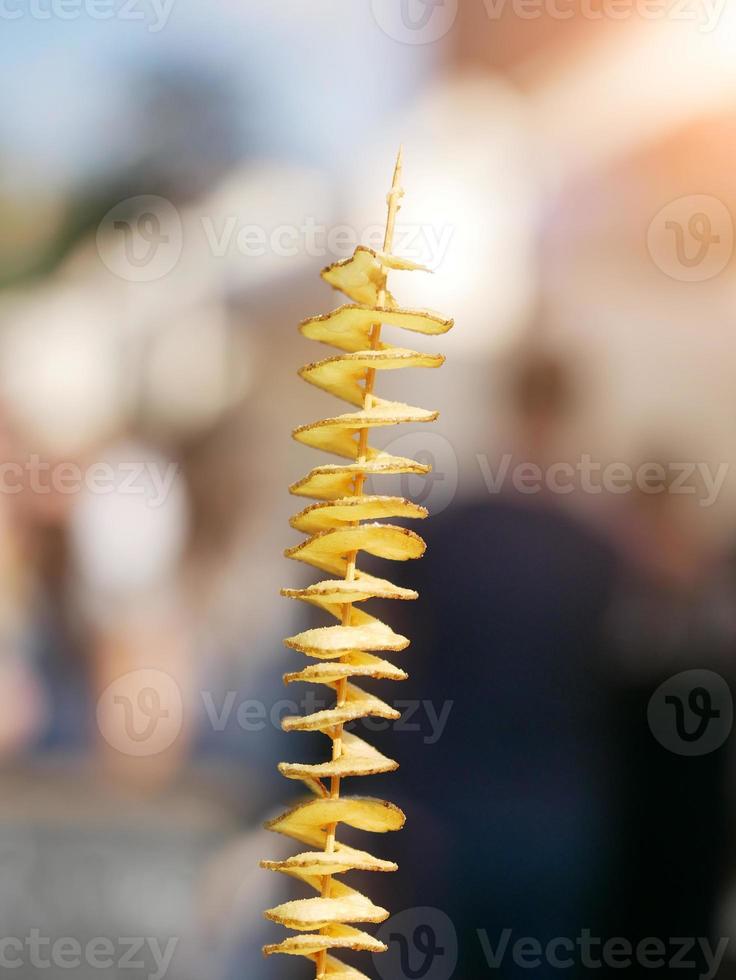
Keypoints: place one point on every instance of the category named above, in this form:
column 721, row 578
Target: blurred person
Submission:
column 542, row 631
column 509, row 809
column 666, row 630
column 22, row 701
column 126, row 544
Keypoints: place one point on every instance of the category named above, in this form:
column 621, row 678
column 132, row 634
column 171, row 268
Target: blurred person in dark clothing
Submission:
column 671, row 650
column 539, row 804
column 508, row 815
column 507, row 810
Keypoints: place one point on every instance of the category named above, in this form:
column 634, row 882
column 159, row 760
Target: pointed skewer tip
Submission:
column 399, row 163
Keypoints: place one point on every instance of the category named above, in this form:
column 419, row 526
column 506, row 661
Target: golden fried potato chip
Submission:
column 358, row 590
column 316, row 913
column 332, row 937
column 326, row 642
column 342, row 376
column 358, row 704
column 358, row 616
column 363, row 274
column 306, row 822
column 360, row 277
column 335, row 863
column 327, row 550
column 348, row 510
column 354, row 664
column 400, row 264
column 337, row 434
column 335, row 970
column 358, row 758
column 333, row 480
column 349, row 327
column 314, row 785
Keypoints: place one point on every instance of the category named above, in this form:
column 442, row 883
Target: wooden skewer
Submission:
column 393, row 200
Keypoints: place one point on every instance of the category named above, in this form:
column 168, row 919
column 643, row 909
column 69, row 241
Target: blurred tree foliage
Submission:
column 180, row 141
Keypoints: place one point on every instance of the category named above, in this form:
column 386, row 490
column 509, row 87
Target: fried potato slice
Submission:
column 354, row 664
column 336, row 970
column 358, row 704
column 314, row 785
column 338, row 862
column 342, row 376
column 307, row 821
column 338, row 590
column 333, row 480
column 327, row 642
column 363, row 274
column 326, row 550
column 316, row 913
column 337, row 434
column 333, row 937
column 348, row 510
column 358, row 616
column 349, row 327
column 358, row 759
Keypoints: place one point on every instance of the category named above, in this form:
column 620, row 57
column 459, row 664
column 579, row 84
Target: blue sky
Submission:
column 317, row 77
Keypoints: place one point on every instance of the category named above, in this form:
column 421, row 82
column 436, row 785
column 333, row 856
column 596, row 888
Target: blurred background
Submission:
column 173, row 176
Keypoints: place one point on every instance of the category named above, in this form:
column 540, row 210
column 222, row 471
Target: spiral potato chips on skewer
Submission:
column 345, row 521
